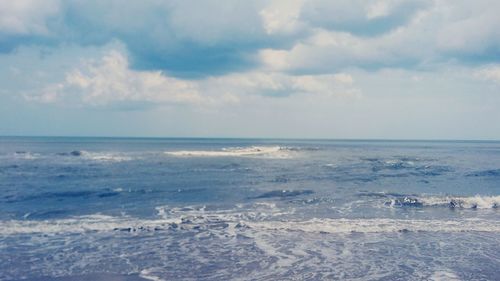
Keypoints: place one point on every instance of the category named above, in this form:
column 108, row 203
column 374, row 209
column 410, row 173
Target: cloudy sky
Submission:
column 404, row 69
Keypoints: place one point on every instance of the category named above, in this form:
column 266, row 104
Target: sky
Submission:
column 340, row 69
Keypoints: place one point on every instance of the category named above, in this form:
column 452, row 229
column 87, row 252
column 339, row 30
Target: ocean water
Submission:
column 245, row 209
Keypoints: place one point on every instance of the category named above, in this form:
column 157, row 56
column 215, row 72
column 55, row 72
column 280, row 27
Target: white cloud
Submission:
column 343, row 78
column 27, row 16
column 282, row 16
column 491, row 73
column 210, row 22
column 436, row 34
column 275, row 84
column 328, row 51
column 274, row 59
column 469, row 26
column 378, row 9
column 109, row 81
column 316, row 36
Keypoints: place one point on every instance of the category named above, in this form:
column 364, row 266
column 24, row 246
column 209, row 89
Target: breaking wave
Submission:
column 233, row 223
column 97, row 156
column 474, row 202
column 251, row 151
column 379, row 225
column 23, row 155
column 75, row 154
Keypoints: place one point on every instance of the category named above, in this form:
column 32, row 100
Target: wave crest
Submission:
column 101, row 223
column 251, row 151
column 474, row 202
column 97, row 156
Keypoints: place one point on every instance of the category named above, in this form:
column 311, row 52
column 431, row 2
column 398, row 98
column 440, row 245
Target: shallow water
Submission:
column 218, row 209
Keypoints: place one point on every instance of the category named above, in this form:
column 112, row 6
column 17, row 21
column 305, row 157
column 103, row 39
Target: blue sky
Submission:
column 412, row 69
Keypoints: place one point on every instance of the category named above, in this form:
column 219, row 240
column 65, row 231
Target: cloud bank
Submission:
column 204, row 38
column 110, row 81
column 346, row 66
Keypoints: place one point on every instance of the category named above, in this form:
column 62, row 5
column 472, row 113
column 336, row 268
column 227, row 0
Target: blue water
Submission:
column 220, row 209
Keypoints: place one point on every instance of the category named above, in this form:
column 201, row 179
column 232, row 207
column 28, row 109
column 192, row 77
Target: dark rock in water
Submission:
column 76, row 153
column 284, row 193
column 124, row 229
column 455, row 204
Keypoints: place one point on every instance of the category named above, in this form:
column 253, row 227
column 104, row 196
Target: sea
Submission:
column 248, row 209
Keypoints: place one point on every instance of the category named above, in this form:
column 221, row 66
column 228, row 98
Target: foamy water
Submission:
column 472, row 202
column 99, row 223
column 252, row 151
column 188, row 209
column 106, row 157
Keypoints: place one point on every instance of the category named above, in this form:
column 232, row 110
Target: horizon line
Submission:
column 253, row 138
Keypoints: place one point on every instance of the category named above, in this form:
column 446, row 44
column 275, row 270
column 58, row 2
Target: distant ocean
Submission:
column 248, row 209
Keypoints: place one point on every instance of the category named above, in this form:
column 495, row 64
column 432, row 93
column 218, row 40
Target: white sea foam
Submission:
column 444, row 276
column 100, row 223
column 251, row 151
column 78, row 224
column 149, row 274
column 25, row 155
column 476, row 202
column 473, row 202
column 380, row 225
column 246, row 212
column 104, row 156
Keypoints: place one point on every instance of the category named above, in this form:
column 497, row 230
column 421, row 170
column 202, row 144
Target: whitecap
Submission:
column 442, row 275
column 473, row 202
column 148, row 274
column 104, row 156
column 251, row 151
column 25, row 155
column 230, row 222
